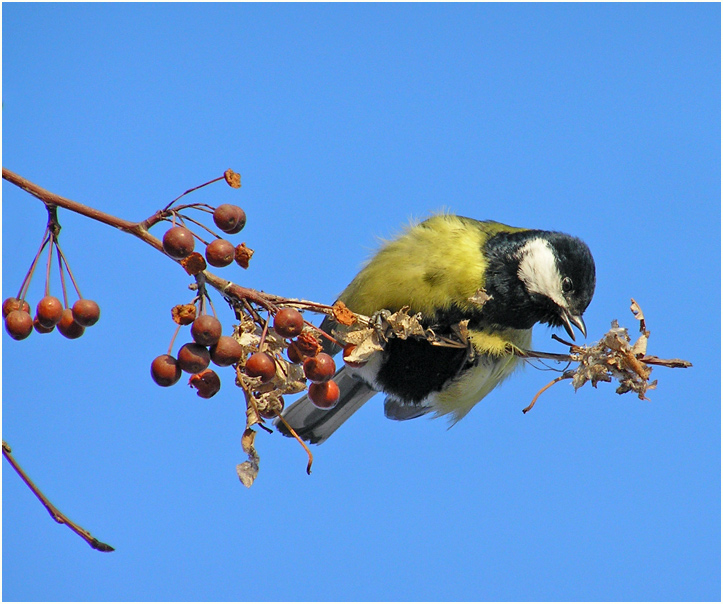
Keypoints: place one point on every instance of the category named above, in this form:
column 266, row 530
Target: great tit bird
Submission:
column 435, row 268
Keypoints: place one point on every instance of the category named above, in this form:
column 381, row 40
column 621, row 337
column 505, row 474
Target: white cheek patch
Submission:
column 538, row 271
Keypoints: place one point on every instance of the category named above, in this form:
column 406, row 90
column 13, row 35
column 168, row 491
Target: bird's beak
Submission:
column 568, row 320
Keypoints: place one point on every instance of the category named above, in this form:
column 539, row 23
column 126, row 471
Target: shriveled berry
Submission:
column 11, row 304
column 193, row 358
column 320, row 368
column 184, row 314
column 226, row 351
column 165, row 370
column 261, row 365
column 288, row 323
column 18, row 324
column 49, row 311
column 40, row 328
column 243, row 255
column 68, row 327
column 206, row 330
column 324, row 395
column 220, row 252
column 229, row 218
column 178, row 242
column 294, row 354
column 307, row 344
column 207, row 383
column 86, row 312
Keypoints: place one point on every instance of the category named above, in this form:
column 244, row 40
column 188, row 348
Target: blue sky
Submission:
column 345, row 121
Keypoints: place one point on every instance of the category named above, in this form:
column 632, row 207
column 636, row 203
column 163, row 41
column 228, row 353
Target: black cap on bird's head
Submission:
column 539, row 277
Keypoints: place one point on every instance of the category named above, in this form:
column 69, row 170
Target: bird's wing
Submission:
column 316, row 425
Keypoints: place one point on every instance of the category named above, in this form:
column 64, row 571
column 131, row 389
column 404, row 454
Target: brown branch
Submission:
column 54, row 512
column 139, row 229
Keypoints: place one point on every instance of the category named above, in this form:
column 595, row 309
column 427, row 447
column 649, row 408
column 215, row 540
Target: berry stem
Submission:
column 210, row 301
column 264, row 331
column 48, row 263
column 201, row 207
column 62, row 278
column 203, row 226
column 29, row 275
column 322, row 333
column 173, row 339
column 67, row 268
column 191, row 191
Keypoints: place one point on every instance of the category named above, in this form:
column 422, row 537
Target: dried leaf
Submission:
column 480, row 297
column 356, row 336
column 641, row 346
column 248, row 471
column 365, row 349
column 342, row 314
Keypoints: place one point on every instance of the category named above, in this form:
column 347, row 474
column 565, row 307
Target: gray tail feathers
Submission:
column 316, row 425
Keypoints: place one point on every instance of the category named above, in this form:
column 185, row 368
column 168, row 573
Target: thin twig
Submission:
column 29, row 275
column 54, row 512
column 191, row 191
column 67, row 267
column 301, row 442
column 565, row 376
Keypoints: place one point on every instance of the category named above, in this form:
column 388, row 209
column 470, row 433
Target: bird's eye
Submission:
column 567, row 285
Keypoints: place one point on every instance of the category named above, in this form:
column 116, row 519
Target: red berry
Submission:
column 18, row 324
column 207, row 383
column 165, row 370
column 49, row 311
column 324, row 395
column 320, row 368
column 206, row 330
column 86, row 312
column 288, row 323
column 178, row 242
column 261, row 365
column 68, row 327
column 11, row 304
column 220, row 252
column 193, row 358
column 229, row 218
column 40, row 328
column 226, row 351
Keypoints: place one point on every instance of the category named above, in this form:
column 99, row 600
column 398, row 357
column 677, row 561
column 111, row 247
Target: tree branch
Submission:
column 139, row 229
column 54, row 512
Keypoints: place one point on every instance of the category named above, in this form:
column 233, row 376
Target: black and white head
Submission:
column 539, row 277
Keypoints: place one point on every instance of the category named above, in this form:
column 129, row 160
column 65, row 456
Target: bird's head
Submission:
column 539, row 277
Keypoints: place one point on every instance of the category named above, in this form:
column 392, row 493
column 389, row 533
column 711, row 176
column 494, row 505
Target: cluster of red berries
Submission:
column 49, row 314
column 195, row 357
column 319, row 367
column 179, row 241
column 50, row 311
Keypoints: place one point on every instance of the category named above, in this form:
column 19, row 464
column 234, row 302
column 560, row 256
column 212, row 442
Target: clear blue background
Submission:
column 345, row 121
